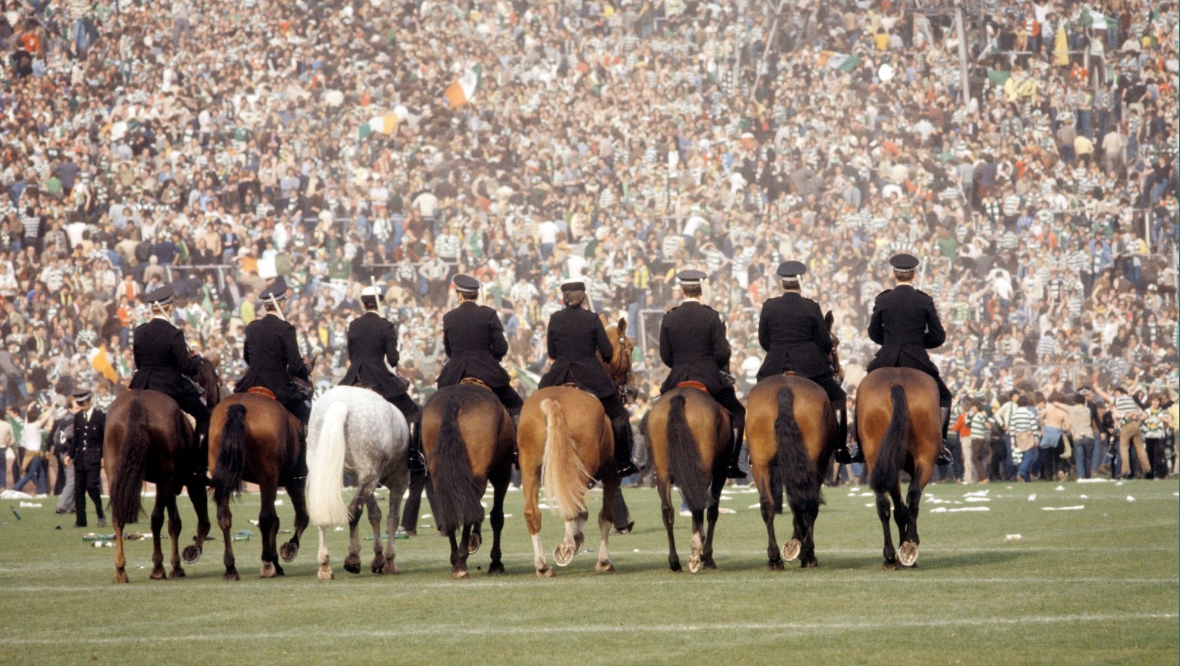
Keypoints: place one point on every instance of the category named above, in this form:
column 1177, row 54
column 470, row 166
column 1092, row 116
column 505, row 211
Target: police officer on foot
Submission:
column 693, row 345
column 163, row 361
column 372, row 352
column 85, row 453
column 905, row 323
column 271, row 352
column 575, row 335
column 796, row 338
column 473, row 338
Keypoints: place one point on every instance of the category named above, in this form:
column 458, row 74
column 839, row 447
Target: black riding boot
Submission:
column 734, row 469
column 945, row 457
column 844, row 454
column 623, row 446
column 414, row 449
column 301, row 466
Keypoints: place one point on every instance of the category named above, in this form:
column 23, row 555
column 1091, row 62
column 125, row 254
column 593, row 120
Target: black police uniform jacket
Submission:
column 473, row 338
column 86, row 447
column 272, row 354
column 905, row 324
column 372, row 341
column 796, row 338
column 575, row 334
column 693, row 345
column 161, row 356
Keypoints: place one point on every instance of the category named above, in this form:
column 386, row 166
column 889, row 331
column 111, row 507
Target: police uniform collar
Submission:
column 904, row 284
column 692, row 299
column 471, row 302
column 162, row 316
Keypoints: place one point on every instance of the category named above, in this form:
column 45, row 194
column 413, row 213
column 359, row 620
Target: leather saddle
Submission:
column 693, row 385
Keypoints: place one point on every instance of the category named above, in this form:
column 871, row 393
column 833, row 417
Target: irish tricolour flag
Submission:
column 462, row 91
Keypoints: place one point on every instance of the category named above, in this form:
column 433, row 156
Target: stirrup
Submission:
column 628, row 469
column 944, row 456
column 735, row 471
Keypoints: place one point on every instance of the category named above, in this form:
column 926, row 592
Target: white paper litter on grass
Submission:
column 30, row 505
column 727, row 497
column 873, row 504
column 941, row 509
column 725, row 510
column 1130, row 499
column 1083, row 497
column 11, row 494
column 1032, row 497
column 937, row 501
column 1093, row 480
column 425, row 516
column 543, row 505
column 754, row 506
column 979, row 499
column 338, row 529
column 1059, row 488
column 977, row 493
column 1063, row 508
column 484, row 504
column 856, row 489
column 866, row 494
column 278, row 502
column 971, row 508
column 686, row 514
column 508, row 515
column 1119, row 483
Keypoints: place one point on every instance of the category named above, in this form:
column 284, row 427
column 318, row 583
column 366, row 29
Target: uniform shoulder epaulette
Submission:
column 671, row 309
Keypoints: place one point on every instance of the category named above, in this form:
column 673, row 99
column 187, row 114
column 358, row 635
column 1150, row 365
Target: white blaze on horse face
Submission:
column 538, row 553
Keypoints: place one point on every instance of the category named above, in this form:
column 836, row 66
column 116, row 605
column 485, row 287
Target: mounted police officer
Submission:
column 164, row 362
column 85, row 452
column 372, row 351
column 796, row 337
column 693, row 345
column 905, row 323
column 575, row 336
column 272, row 355
column 473, row 338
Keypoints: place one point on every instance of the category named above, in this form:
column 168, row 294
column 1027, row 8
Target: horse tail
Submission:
column 127, row 485
column 795, row 468
column 325, row 478
column 891, row 452
column 231, row 456
column 562, row 469
column 456, row 496
column 684, row 458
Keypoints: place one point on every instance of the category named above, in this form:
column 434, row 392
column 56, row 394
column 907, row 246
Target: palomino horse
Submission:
column 689, row 435
column 148, row 438
column 467, row 437
column 252, row 437
column 354, row 430
column 791, row 433
column 897, row 417
column 565, row 440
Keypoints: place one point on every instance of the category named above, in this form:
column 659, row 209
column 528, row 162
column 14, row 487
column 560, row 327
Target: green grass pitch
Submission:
column 1090, row 586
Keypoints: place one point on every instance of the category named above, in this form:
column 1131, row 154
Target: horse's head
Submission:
column 834, row 357
column 207, row 379
column 619, row 368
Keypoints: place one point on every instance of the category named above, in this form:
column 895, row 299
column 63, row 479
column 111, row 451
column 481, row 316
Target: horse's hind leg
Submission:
column 298, row 495
column 711, row 514
column 374, row 509
column 697, row 543
column 808, row 556
column 364, row 492
column 530, row 477
column 500, row 482
column 325, row 572
column 162, row 491
column 459, row 554
column 766, row 504
column 268, row 524
column 120, row 557
column 901, row 515
column 883, row 513
column 200, row 499
column 225, row 521
column 908, row 553
column 396, row 490
column 668, row 513
column 174, row 532
column 606, row 519
column 565, row 551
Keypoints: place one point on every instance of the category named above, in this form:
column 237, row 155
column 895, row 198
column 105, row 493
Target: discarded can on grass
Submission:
column 94, row 536
column 14, row 511
column 1011, row 537
column 241, row 537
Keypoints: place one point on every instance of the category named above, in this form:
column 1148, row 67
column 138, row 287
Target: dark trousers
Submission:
column 418, row 482
column 87, row 482
column 727, row 398
column 510, row 399
column 1157, row 454
column 190, row 403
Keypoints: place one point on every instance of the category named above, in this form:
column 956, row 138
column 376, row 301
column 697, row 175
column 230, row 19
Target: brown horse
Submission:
column 897, row 417
column 565, row 441
column 252, row 437
column 467, row 437
column 149, row 438
column 689, row 436
column 791, row 432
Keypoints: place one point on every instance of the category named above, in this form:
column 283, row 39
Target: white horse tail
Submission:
column 325, row 474
column 562, row 470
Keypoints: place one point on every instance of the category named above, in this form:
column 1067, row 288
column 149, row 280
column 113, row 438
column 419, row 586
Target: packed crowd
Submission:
column 215, row 145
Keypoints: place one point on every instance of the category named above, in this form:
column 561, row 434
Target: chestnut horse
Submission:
column 252, row 437
column 149, row 438
column 689, row 436
column 565, row 441
column 897, row 417
column 468, row 438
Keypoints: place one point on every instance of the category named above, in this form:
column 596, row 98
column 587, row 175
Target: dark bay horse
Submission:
column 468, row 439
column 565, row 441
column 689, row 435
column 149, row 438
column 790, row 432
column 252, row 437
column 897, row 418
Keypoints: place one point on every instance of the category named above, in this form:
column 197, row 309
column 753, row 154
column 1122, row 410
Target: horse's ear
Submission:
column 622, row 326
column 828, row 319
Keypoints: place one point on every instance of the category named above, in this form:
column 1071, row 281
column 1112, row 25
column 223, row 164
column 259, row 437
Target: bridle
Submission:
column 620, row 368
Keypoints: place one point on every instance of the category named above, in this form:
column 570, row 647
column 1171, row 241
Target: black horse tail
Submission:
column 684, row 458
column 795, row 468
column 457, row 499
column 231, row 455
column 127, row 484
column 891, row 452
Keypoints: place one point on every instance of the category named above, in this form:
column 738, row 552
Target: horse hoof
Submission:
column 890, row 565
column 288, row 551
column 674, row 567
column 694, row 564
column 191, row 554
column 390, row 569
column 908, row 554
column 496, row 568
column 268, row 571
column 325, row 574
column 121, row 577
column 176, row 573
column 708, row 563
column 459, row 575
column 230, row 576
column 352, row 564
column 564, row 554
column 158, row 573
column 791, row 550
column 603, row 567
column 810, row 563
column 547, row 572
column 473, row 543
column 775, row 565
